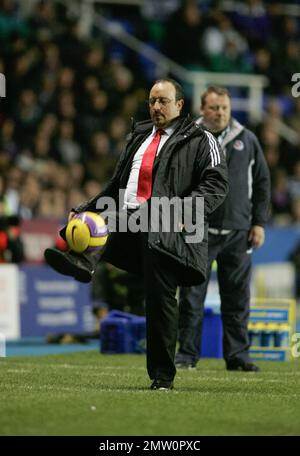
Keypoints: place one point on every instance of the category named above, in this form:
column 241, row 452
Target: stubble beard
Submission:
column 158, row 120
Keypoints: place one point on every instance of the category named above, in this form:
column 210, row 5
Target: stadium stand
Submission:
column 71, row 96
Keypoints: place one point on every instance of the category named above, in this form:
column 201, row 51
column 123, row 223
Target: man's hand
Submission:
column 257, row 236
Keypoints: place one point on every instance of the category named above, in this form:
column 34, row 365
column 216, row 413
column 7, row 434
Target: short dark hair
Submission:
column 214, row 89
column 178, row 88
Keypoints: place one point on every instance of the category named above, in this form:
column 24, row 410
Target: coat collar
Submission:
column 235, row 129
column 146, row 126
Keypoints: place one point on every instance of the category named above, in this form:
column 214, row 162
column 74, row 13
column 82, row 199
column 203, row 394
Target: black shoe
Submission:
column 162, row 385
column 70, row 264
column 238, row 365
column 185, row 365
column 184, row 361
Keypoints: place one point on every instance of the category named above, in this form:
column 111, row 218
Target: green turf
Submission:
column 91, row 394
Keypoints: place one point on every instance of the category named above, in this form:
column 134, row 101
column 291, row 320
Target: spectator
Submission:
column 29, row 197
column 295, row 210
column 11, row 23
column 66, row 106
column 101, row 162
column 52, row 204
column 294, row 181
column 77, row 173
column 96, row 113
column 225, row 48
column 11, row 246
column 7, row 138
column 117, row 131
column 91, row 188
column 281, row 197
column 44, row 20
column 291, row 56
column 67, row 147
column 27, row 114
column 294, row 118
column 41, row 147
column 184, row 30
column 47, row 93
column 264, row 65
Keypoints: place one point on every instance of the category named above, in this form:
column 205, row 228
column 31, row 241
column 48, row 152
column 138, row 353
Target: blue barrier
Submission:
column 53, row 303
column 279, row 244
column 212, row 333
column 122, row 332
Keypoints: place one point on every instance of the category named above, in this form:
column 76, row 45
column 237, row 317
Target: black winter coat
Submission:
column 248, row 199
column 190, row 165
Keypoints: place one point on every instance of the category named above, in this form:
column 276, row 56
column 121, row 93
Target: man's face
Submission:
column 163, row 105
column 216, row 112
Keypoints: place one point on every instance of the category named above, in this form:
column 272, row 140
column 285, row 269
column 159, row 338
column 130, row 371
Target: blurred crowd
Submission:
column 71, row 96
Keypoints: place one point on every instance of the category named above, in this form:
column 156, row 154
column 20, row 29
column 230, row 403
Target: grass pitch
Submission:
column 91, row 394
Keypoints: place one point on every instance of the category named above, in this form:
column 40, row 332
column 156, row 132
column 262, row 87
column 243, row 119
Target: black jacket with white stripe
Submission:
column 248, row 199
column 189, row 165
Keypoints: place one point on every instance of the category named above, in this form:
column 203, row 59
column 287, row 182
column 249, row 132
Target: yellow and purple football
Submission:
column 86, row 232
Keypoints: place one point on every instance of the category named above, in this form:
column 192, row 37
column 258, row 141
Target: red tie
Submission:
column 144, row 190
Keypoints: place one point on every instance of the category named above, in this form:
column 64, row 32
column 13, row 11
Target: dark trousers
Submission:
column 160, row 277
column 234, row 273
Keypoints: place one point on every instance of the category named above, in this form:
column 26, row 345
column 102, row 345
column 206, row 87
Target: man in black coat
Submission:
column 165, row 158
column 235, row 228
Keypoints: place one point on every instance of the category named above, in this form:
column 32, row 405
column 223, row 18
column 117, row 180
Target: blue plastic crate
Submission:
column 122, row 332
column 138, row 331
column 212, row 334
column 115, row 336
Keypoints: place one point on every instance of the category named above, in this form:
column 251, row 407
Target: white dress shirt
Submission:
column 130, row 197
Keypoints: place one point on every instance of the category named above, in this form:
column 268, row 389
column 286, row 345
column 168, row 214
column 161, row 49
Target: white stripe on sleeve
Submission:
column 250, row 178
column 214, row 149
